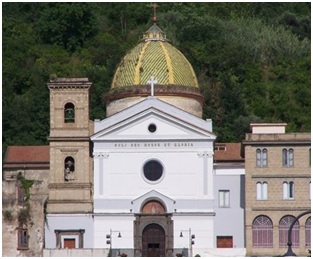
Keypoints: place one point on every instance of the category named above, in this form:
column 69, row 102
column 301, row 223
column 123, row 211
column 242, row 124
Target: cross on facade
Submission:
column 152, row 82
column 154, row 6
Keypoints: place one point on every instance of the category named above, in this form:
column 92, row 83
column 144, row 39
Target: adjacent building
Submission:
column 229, row 199
column 277, row 189
column 24, row 197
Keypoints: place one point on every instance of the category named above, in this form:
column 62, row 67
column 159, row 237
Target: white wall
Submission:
column 201, row 227
column 118, row 224
column 124, row 174
column 119, row 174
column 68, row 222
column 230, row 221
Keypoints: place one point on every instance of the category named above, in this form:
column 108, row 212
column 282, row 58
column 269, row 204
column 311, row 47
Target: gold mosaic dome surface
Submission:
column 154, row 56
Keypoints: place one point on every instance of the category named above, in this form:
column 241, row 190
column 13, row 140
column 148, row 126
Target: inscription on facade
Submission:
column 153, row 145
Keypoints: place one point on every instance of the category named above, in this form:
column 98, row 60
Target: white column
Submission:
column 207, row 172
column 99, row 175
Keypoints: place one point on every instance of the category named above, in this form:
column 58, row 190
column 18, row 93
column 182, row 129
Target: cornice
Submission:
column 70, row 185
column 281, row 176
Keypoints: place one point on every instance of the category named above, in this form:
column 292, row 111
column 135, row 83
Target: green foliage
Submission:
column 252, row 59
column 8, row 215
column 26, row 184
column 67, row 24
column 24, row 216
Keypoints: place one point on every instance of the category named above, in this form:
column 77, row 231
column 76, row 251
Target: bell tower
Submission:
column 70, row 181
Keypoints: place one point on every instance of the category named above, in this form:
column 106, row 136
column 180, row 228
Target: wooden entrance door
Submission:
column 69, row 243
column 224, row 242
column 153, row 241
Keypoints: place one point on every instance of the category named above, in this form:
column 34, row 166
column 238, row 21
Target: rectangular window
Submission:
column 22, row 237
column 264, row 191
column 21, row 196
column 220, row 148
column 261, row 157
column 288, row 157
column 224, row 198
column 288, row 190
column 224, row 241
column 261, row 191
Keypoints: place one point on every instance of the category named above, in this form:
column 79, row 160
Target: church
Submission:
column 148, row 180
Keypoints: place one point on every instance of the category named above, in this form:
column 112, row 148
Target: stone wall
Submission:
column 11, row 209
column 76, row 252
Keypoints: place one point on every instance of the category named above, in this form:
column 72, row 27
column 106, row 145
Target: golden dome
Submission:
column 154, row 56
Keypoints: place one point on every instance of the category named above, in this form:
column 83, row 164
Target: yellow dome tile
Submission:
column 154, row 55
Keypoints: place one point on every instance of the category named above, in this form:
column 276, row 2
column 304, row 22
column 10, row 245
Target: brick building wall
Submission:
column 274, row 174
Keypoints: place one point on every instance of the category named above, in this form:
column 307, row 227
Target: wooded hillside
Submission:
column 252, row 59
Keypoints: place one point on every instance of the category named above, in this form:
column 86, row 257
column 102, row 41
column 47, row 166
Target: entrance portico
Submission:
column 153, row 231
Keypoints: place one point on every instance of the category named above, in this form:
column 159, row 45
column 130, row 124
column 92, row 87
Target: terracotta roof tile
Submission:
column 228, row 152
column 27, row 154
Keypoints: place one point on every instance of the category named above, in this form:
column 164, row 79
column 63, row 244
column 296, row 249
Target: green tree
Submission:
column 67, row 24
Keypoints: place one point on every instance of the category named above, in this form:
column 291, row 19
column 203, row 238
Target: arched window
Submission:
column 262, row 232
column 261, row 157
column 288, row 190
column 69, row 113
column 153, row 207
column 261, row 191
column 284, row 225
column 287, row 157
column 69, row 168
column 308, row 232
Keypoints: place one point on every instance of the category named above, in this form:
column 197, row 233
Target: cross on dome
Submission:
column 154, row 6
column 154, row 33
column 152, row 82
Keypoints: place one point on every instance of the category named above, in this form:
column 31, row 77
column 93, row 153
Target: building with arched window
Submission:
column 276, row 191
column 284, row 224
column 308, row 232
column 262, row 232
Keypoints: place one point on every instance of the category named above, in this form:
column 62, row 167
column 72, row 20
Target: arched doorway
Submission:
column 153, row 230
column 153, row 241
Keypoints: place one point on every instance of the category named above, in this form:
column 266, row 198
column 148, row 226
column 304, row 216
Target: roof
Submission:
column 156, row 106
column 27, row 156
column 154, row 56
column 228, row 152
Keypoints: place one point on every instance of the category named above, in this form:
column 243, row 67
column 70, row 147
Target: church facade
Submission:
column 152, row 178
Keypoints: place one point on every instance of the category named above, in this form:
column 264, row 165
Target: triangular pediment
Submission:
column 152, row 119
